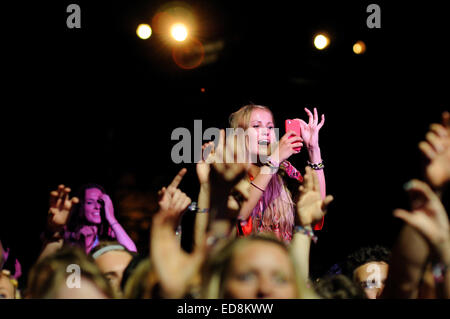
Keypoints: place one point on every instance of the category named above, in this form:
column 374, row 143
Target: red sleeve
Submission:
column 245, row 227
column 319, row 225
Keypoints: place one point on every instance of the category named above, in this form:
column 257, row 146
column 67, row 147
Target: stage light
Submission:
column 359, row 47
column 144, row 31
column 179, row 32
column 321, row 41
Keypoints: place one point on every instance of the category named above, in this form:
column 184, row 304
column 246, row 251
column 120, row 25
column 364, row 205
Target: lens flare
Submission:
column 179, row 32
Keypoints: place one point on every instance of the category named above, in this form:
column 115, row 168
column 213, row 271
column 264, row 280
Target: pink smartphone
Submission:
column 294, row 125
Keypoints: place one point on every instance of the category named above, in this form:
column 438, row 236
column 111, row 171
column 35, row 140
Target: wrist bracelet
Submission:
column 273, row 165
column 307, row 232
column 439, row 271
column 317, row 166
column 262, row 190
column 193, row 207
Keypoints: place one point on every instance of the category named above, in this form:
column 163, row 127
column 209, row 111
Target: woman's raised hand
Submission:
column 60, row 206
column 109, row 209
column 170, row 197
column 231, row 162
column 310, row 131
column 437, row 150
column 203, row 167
column 310, row 206
column 286, row 146
column 175, row 268
column 427, row 215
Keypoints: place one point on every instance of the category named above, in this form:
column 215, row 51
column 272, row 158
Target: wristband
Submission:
column 307, row 232
column 317, row 166
column 193, row 207
column 274, row 166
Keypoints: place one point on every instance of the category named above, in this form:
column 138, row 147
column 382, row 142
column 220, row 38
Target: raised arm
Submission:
column 226, row 173
column 436, row 149
column 310, row 135
column 310, row 209
column 120, row 233
column 203, row 169
column 58, row 214
column 174, row 267
column 429, row 218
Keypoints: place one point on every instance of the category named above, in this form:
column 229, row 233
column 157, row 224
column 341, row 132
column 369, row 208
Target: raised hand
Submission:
column 203, row 167
column 166, row 193
column 437, row 150
column 231, row 162
column 427, row 215
column 60, row 206
column 175, row 268
column 310, row 131
column 109, row 209
column 310, row 205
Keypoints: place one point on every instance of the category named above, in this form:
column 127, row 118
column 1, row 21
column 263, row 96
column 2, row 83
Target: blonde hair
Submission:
column 47, row 275
column 277, row 205
column 141, row 283
column 217, row 267
column 241, row 118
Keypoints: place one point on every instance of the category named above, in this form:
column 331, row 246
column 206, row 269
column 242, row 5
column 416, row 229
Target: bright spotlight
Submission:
column 321, row 41
column 144, row 31
column 359, row 47
column 179, row 32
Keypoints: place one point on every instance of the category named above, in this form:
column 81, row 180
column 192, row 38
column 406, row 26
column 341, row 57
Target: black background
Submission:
column 95, row 103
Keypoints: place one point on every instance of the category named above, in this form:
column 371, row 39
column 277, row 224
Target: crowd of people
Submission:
column 254, row 224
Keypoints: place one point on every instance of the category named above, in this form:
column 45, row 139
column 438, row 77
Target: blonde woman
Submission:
column 270, row 206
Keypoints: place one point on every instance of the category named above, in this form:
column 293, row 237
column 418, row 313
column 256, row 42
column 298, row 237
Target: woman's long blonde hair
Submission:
column 277, row 205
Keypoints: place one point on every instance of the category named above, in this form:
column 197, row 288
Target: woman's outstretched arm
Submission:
column 310, row 135
column 58, row 214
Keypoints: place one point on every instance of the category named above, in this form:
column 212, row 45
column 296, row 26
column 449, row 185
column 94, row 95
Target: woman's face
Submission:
column 6, row 288
column 261, row 132
column 87, row 290
column 92, row 205
column 260, row 270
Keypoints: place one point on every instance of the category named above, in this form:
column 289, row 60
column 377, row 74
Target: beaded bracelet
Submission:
column 307, row 232
column 317, row 166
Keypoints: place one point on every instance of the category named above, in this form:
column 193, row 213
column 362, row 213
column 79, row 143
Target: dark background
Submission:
column 98, row 104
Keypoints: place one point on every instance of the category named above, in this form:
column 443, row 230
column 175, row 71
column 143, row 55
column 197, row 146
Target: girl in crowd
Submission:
column 84, row 220
column 270, row 207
